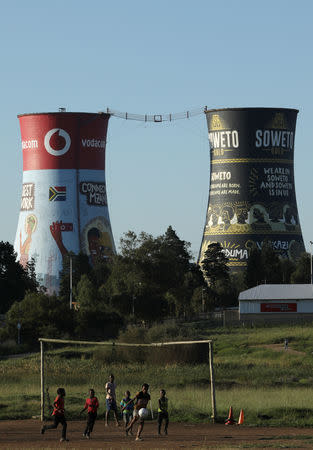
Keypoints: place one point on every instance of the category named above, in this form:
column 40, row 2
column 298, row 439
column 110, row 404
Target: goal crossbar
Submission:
column 120, row 344
column 116, row 344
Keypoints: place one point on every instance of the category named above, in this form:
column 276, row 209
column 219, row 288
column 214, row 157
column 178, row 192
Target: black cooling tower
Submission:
column 252, row 195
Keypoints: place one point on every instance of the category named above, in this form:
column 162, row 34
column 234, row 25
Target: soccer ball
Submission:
column 143, row 413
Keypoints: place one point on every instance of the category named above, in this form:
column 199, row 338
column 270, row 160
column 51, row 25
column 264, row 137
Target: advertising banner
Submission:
column 252, row 193
column 279, row 307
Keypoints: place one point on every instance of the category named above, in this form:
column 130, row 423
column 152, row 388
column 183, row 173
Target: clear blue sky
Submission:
column 154, row 57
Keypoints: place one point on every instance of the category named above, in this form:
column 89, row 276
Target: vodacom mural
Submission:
column 64, row 204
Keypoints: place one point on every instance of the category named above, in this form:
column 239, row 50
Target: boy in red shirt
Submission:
column 58, row 415
column 92, row 405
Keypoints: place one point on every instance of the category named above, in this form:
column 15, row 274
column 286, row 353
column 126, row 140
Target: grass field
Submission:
column 274, row 388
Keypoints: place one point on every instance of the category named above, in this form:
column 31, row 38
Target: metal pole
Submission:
column 42, row 382
column 151, row 408
column 19, row 333
column 213, row 402
column 203, row 300
column 71, row 283
column 311, row 261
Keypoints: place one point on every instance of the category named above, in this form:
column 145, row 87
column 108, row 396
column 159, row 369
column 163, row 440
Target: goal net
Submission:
column 184, row 369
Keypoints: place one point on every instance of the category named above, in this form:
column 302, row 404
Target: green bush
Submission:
column 10, row 347
column 158, row 333
column 133, row 335
column 174, row 354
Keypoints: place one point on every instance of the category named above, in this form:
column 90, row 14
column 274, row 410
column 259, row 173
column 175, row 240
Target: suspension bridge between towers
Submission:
column 157, row 118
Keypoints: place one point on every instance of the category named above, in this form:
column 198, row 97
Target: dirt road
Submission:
column 25, row 434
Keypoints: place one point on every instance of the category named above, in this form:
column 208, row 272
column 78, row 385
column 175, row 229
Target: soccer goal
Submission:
column 67, row 374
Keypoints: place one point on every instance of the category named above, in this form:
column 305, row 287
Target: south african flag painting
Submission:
column 57, row 193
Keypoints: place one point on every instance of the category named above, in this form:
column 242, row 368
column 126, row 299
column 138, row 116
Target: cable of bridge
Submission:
column 157, row 118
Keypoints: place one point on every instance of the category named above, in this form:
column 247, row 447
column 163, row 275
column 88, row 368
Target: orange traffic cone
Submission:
column 241, row 417
column 230, row 420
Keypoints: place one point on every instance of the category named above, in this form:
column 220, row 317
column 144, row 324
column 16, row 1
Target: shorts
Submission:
column 161, row 416
column 136, row 414
column 127, row 416
column 110, row 405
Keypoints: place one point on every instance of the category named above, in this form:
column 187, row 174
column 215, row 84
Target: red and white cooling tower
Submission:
column 64, row 203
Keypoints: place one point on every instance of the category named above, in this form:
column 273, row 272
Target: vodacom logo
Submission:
column 59, row 133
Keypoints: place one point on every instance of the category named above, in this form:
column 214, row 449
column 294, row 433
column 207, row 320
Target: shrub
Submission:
column 133, row 335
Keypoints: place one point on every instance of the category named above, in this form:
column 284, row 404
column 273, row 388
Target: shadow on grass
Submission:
column 299, row 437
column 271, row 446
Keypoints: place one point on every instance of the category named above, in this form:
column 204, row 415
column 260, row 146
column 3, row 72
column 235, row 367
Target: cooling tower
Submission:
column 64, row 203
column 252, row 195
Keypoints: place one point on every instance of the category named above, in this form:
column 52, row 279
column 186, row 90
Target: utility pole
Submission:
column 71, row 283
column 203, row 290
column 311, row 242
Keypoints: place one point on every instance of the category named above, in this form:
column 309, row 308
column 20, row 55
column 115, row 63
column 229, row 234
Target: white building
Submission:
column 277, row 303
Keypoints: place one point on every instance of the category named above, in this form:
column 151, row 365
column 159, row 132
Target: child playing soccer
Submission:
column 92, row 405
column 110, row 400
column 162, row 411
column 128, row 411
column 58, row 415
column 141, row 400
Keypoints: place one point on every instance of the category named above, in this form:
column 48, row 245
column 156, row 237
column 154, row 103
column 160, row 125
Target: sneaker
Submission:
column 88, row 436
column 43, row 429
column 64, row 440
column 84, row 434
column 165, row 432
column 138, row 438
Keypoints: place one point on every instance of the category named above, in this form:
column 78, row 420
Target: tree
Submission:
column 228, row 290
column 40, row 315
column 271, row 264
column 266, row 266
column 254, row 271
column 94, row 319
column 287, row 268
column 153, row 274
column 80, row 266
column 100, row 272
column 172, row 260
column 131, row 288
column 14, row 279
column 302, row 272
column 186, row 298
column 214, row 264
column 174, row 273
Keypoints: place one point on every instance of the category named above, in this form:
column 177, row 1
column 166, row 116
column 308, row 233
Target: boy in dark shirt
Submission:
column 141, row 400
column 58, row 415
column 162, row 411
column 92, row 405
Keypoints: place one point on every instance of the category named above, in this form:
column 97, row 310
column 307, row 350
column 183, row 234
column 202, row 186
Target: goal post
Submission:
column 120, row 344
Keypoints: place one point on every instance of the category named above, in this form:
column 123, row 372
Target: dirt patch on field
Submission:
column 280, row 348
column 25, row 434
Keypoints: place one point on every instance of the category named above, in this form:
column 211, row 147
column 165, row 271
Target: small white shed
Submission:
column 277, row 302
